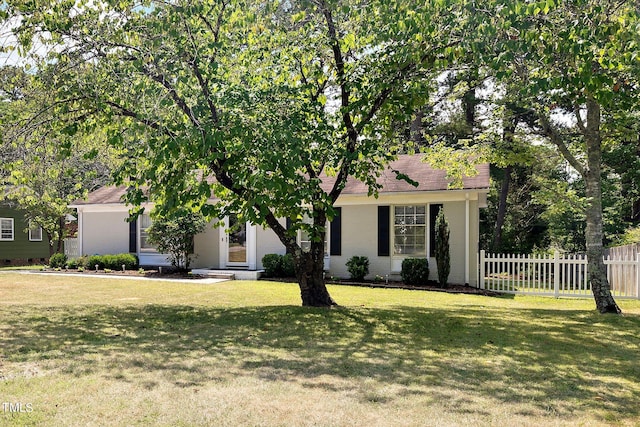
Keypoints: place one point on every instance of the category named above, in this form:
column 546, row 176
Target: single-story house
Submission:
column 399, row 223
column 21, row 243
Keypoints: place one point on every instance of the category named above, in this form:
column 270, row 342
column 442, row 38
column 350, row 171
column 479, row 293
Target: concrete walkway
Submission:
column 203, row 281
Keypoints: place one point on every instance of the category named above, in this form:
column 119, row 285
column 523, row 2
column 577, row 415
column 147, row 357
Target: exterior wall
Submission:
column 105, row 230
column 207, row 248
column 359, row 235
column 104, row 233
column 21, row 250
column 268, row 243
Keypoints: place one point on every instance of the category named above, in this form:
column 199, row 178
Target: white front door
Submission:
column 238, row 244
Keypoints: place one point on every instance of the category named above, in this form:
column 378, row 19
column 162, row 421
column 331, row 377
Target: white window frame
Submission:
column 305, row 244
column 142, row 233
column 13, row 232
column 31, row 230
column 424, row 225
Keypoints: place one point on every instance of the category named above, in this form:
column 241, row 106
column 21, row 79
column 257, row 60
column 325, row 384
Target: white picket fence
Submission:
column 71, row 249
column 555, row 275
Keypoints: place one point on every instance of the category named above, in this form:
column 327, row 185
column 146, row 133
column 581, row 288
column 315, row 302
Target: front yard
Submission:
column 89, row 351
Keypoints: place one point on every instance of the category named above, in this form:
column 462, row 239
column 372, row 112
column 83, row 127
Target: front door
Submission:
column 236, row 247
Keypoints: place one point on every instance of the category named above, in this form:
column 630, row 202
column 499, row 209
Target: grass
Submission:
column 38, row 267
column 87, row 351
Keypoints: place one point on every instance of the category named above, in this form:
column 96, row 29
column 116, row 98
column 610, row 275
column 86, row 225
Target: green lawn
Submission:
column 88, row 351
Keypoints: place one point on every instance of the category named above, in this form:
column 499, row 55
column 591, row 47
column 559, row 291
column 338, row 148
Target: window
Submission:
column 305, row 239
column 6, row 229
column 35, row 232
column 410, row 230
column 145, row 223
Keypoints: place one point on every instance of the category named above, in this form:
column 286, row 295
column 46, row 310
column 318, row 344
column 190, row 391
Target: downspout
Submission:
column 466, row 239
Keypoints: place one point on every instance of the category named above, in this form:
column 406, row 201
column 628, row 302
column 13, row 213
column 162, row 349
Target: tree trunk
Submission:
column 310, row 275
column 597, row 275
column 309, row 266
column 502, row 209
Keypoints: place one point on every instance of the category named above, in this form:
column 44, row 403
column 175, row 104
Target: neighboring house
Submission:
column 20, row 243
column 399, row 223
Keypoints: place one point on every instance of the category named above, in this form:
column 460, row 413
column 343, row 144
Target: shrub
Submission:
column 288, row 266
column 415, row 271
column 58, row 260
column 74, row 263
column 272, row 264
column 358, row 267
column 276, row 265
column 109, row 261
column 443, row 260
column 173, row 235
column 94, row 260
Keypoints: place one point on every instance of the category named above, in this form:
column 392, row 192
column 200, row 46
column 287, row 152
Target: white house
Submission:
column 396, row 225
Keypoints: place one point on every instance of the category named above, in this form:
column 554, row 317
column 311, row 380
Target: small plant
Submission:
column 358, row 267
column 80, row 269
column 378, row 278
column 58, row 260
column 276, row 265
column 415, row 271
column 108, row 270
column 141, row 271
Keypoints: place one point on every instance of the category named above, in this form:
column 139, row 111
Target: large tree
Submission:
column 265, row 97
column 44, row 169
column 576, row 63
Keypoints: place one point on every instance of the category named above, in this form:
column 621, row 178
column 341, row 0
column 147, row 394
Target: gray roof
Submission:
column 428, row 179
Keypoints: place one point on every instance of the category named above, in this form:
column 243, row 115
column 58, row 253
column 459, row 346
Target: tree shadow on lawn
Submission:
column 511, row 355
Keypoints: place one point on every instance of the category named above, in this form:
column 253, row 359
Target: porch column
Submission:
column 466, row 239
column 252, row 250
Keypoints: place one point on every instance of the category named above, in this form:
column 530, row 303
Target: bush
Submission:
column 75, row 263
column 276, row 265
column 93, row 260
column 109, row 261
column 415, row 271
column 443, row 260
column 288, row 266
column 58, row 260
column 272, row 264
column 358, row 267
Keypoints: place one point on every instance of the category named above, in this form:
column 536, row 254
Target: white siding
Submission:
column 105, row 233
column 207, row 248
column 268, row 243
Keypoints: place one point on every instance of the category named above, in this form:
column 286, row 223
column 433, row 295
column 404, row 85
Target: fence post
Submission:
column 482, row 268
column 556, row 274
column 638, row 275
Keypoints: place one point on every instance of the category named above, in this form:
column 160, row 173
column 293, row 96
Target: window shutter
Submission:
column 384, row 245
column 335, row 231
column 133, row 236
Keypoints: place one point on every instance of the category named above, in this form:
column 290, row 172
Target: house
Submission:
column 399, row 223
column 21, row 243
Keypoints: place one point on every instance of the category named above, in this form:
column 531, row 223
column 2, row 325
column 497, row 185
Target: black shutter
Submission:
column 384, row 245
column 133, row 236
column 434, row 210
column 335, row 231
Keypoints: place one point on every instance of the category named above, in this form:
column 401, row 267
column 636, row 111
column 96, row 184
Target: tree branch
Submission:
column 552, row 133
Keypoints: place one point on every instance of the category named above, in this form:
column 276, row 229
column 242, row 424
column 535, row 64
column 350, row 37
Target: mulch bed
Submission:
column 430, row 286
column 169, row 274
